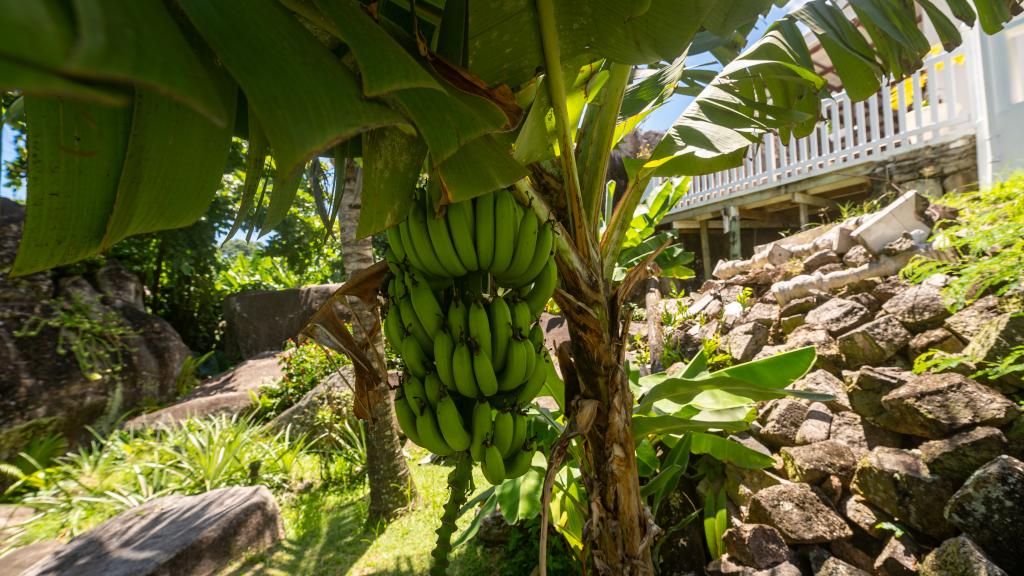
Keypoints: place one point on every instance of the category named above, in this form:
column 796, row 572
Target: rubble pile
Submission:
column 900, row 473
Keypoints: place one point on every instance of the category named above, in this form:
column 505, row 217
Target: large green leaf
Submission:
column 480, row 167
column 726, row 450
column 32, row 80
column 305, row 99
column 75, row 154
column 392, row 163
column 38, row 33
column 162, row 183
column 282, row 194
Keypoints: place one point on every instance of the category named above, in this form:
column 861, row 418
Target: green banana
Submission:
column 541, row 255
column 519, row 428
column 395, row 242
column 521, row 319
column 441, row 240
column 415, row 394
column 414, row 358
column 515, row 368
column 413, row 326
column 526, row 243
column 450, row 422
column 536, row 337
column 406, row 419
column 493, row 465
column 505, row 227
column 480, row 328
column 458, row 320
column 444, row 348
column 535, row 382
column 530, row 353
column 543, row 287
column 463, row 230
column 428, row 310
column 481, row 428
column 430, row 434
column 410, row 248
column 483, row 207
column 420, row 236
column 501, row 331
column 483, row 371
column 501, row 438
column 519, row 463
column 433, row 388
column 462, row 371
column 393, row 328
column 401, row 290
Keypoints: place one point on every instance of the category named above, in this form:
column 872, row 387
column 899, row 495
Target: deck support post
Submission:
column 705, row 249
column 804, row 217
column 732, row 228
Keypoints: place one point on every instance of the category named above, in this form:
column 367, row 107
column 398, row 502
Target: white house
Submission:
column 958, row 122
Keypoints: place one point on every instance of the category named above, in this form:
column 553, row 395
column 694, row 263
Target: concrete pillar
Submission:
column 705, row 249
column 804, row 217
column 731, row 223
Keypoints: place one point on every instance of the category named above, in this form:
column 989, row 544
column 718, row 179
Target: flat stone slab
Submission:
column 172, row 536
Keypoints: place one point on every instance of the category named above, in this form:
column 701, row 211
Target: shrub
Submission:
column 304, row 365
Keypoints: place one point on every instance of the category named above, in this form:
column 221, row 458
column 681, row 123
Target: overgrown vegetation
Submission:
column 304, row 366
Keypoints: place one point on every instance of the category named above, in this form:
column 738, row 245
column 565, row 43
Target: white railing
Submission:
column 932, row 106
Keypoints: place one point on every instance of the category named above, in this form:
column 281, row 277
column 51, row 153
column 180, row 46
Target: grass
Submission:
column 326, row 533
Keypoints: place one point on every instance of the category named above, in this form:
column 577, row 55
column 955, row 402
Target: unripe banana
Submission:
column 530, row 353
column 543, row 287
column 505, row 228
column 428, row 310
column 430, row 433
column 480, row 328
column 450, row 422
column 519, row 463
column 441, row 240
column 433, row 389
column 501, row 331
column 536, row 380
column 519, row 429
column 413, row 326
column 419, row 234
column 483, row 207
column 483, row 371
column 406, row 419
column 493, row 465
column 501, row 437
column 395, row 242
column 515, row 368
column 444, row 348
column 410, row 247
column 393, row 328
column 414, row 358
column 541, row 254
column 414, row 393
column 462, row 371
column 536, row 337
column 458, row 321
column 462, row 226
column 521, row 319
column 526, row 243
column 399, row 285
column 481, row 425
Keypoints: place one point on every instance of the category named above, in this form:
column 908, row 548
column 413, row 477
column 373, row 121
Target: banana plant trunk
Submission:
column 391, row 485
column 620, row 529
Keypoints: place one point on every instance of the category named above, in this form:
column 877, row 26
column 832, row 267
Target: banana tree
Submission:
column 131, row 107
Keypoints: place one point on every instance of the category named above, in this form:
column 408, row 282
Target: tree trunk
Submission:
column 620, row 530
column 655, row 337
column 391, row 486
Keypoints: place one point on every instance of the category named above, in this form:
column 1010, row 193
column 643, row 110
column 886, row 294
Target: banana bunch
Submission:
column 466, row 291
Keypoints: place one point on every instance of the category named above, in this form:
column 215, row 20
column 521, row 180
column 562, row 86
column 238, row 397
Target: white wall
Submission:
column 1001, row 112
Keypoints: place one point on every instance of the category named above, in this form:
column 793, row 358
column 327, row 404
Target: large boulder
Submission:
column 937, row 339
column 173, row 535
column 756, row 545
column 745, row 341
column 861, row 436
column 918, row 307
column 780, row 422
column 957, row 457
column 936, row 405
column 874, row 342
column 815, row 462
column 258, row 321
column 989, row 508
column 839, row 315
column 969, row 322
column 900, row 484
column 959, row 557
column 800, row 514
column 899, row 557
column 995, row 341
column 869, row 385
column 823, row 382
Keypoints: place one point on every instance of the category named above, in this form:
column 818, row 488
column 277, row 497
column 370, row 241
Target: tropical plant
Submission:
column 303, row 367
column 125, row 147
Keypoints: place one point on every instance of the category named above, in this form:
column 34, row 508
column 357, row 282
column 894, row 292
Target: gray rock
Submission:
column 838, row 315
column 781, row 422
column 258, row 321
column 873, row 343
column 864, row 516
column 919, row 307
column 742, row 483
column 959, row 557
column 756, row 545
column 116, row 281
column 791, row 323
column 830, row 268
column 814, row 462
column 799, row 513
column 836, row 567
column 858, row 551
column 935, row 405
column 995, row 341
column 888, row 288
column 800, row 306
column 817, row 425
column 989, row 507
column 860, row 436
column 18, row 560
column 937, row 339
column 746, row 340
column 898, row 558
column 829, row 357
column 765, row 313
column 172, row 535
column 857, row 256
column 969, row 322
column 957, row 457
column 899, row 483
column 702, row 304
column 823, row 382
column 819, row 259
column 869, row 385
column 866, row 300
